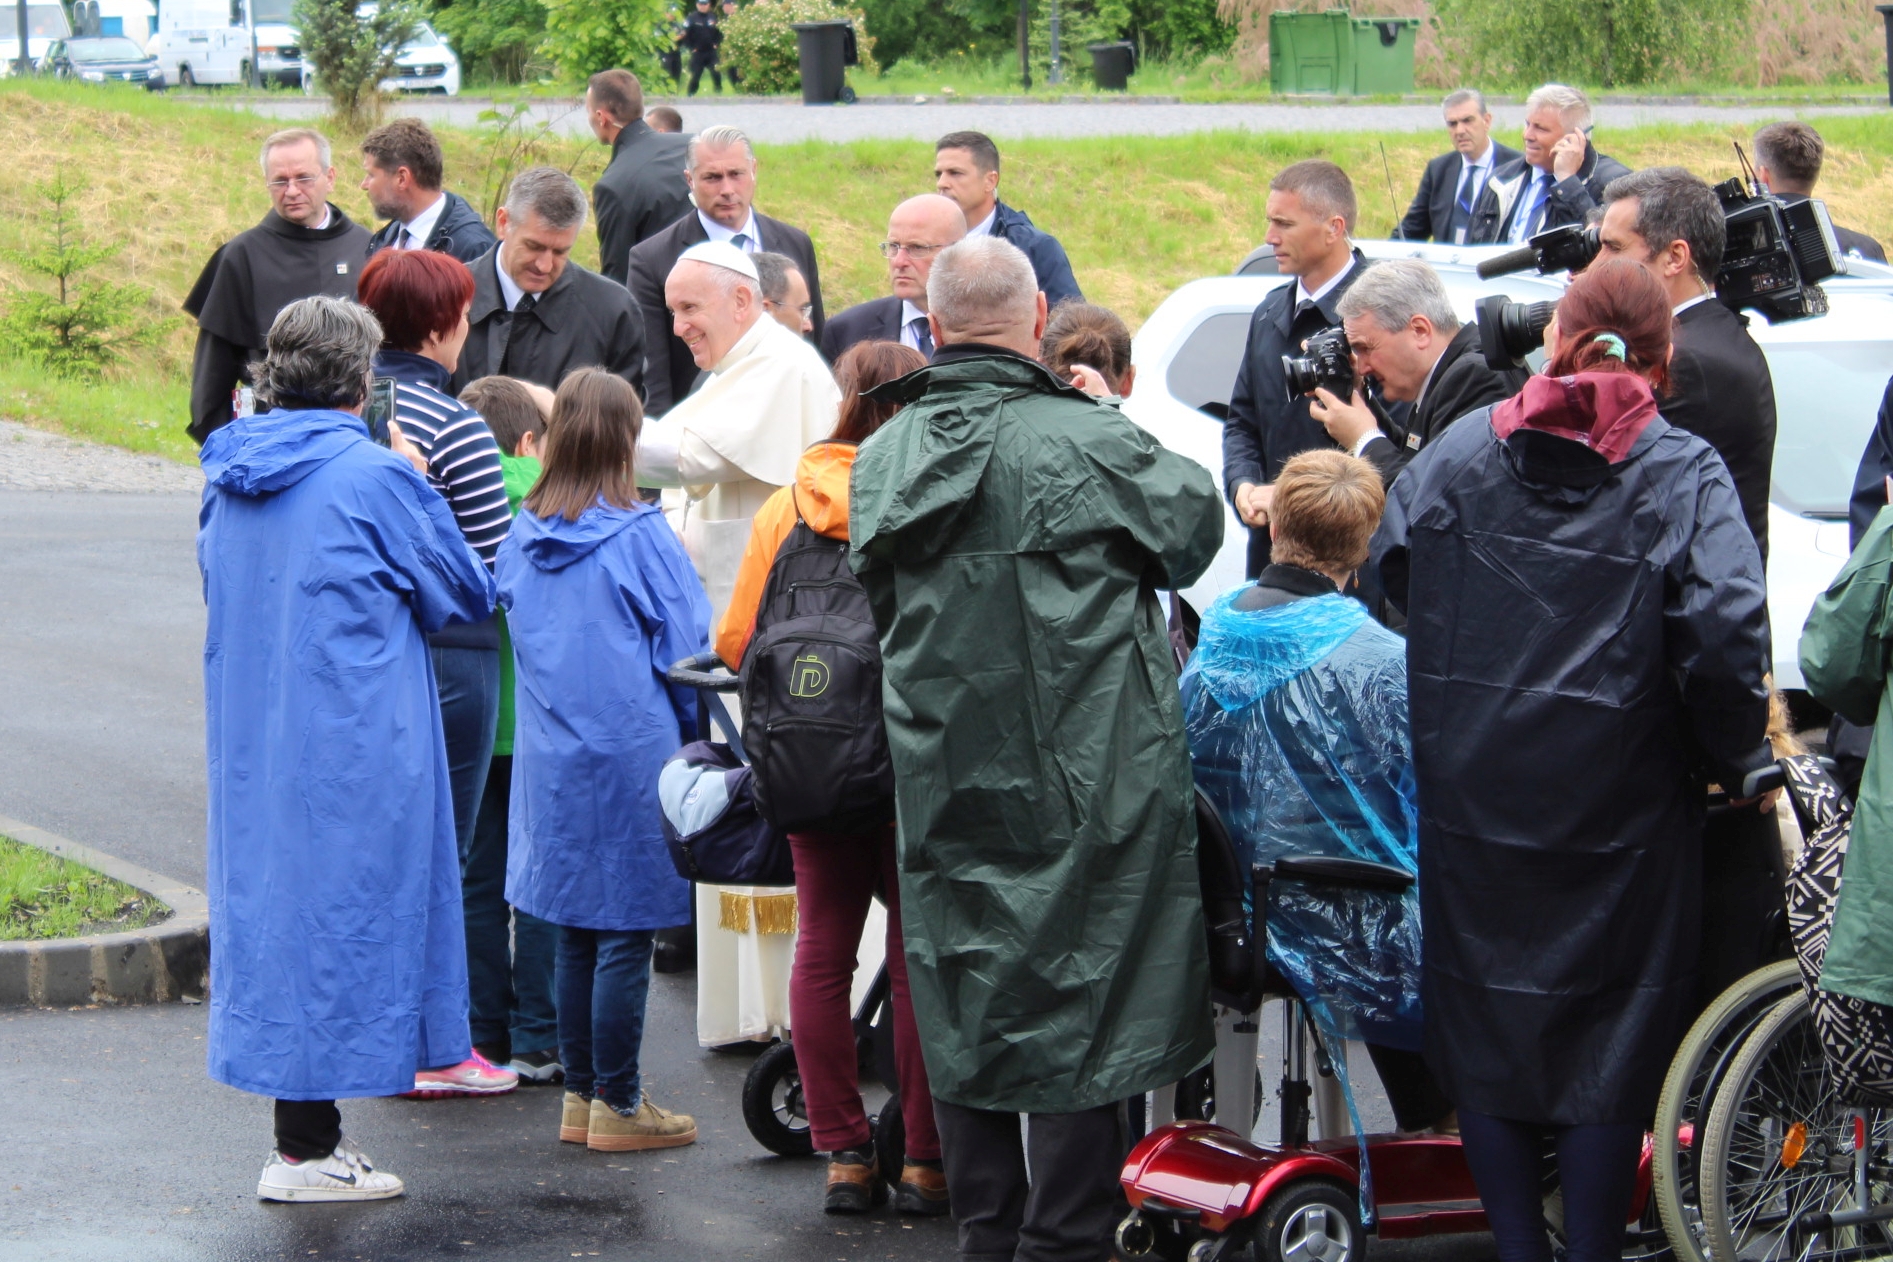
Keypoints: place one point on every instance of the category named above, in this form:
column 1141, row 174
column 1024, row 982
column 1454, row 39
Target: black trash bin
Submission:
column 1886, row 15
column 1111, row 65
column 821, row 48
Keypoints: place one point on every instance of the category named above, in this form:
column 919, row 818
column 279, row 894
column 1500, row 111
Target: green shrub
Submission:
column 584, row 36
column 759, row 42
column 921, row 29
column 1605, row 42
column 1080, row 22
column 497, row 37
column 1179, row 30
column 350, row 55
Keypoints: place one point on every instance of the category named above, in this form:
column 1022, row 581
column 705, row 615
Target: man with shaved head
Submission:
column 919, row 229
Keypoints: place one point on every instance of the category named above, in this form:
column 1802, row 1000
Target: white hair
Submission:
column 1393, row 291
column 296, row 136
column 980, row 286
column 1573, row 107
column 719, row 138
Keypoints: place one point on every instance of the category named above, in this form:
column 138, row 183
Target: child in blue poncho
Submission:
column 600, row 599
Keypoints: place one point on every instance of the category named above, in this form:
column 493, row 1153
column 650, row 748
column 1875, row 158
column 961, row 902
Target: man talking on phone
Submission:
column 1560, row 179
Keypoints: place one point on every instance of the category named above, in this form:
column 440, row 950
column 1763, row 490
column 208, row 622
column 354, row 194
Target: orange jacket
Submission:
column 820, row 492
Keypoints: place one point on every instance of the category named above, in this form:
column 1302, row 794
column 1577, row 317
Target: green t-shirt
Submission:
column 520, row 473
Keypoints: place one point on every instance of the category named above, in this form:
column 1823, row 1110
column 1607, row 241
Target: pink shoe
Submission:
column 478, row 1076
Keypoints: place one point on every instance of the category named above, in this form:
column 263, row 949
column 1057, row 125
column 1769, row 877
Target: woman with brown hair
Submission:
column 1586, row 635
column 1080, row 336
column 836, row 875
column 600, row 599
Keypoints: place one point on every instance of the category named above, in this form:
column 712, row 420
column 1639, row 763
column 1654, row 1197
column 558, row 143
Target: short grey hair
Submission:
column 981, row 285
column 325, row 153
column 719, row 138
column 1573, row 107
column 1462, row 96
column 773, row 271
column 1393, row 291
column 321, row 353
column 550, row 194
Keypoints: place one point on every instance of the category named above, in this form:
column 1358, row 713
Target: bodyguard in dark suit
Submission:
column 1560, row 179
column 537, row 315
column 1311, row 211
column 642, row 191
column 1720, row 390
column 1788, row 160
column 722, row 175
column 402, row 176
column 1404, row 333
column 917, row 231
column 966, row 169
column 1453, row 183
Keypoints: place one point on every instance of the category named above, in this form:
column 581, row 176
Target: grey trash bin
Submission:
column 1111, row 65
column 820, row 46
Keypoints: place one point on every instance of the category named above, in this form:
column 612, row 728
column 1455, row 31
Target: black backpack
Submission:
column 812, row 694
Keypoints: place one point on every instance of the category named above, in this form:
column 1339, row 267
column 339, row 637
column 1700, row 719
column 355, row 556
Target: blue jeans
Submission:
column 468, row 681
column 511, row 990
column 604, row 981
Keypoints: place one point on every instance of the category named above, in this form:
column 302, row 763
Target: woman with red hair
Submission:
column 1586, row 636
column 421, row 299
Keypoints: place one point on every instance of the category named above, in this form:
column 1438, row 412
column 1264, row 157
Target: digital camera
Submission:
column 1326, row 362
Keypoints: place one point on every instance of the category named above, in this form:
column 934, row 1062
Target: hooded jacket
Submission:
column 818, row 496
column 458, row 231
column 1012, row 533
column 1586, row 636
column 338, row 963
column 597, row 609
column 1047, row 256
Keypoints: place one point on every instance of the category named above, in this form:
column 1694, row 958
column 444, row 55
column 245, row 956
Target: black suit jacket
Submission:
column 584, row 320
column 672, row 370
column 640, row 194
column 1860, row 243
column 1430, row 216
column 1462, row 382
column 1721, row 391
column 877, row 320
column 459, row 231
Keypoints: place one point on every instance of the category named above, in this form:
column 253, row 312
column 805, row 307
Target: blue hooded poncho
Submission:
column 338, row 961
column 598, row 610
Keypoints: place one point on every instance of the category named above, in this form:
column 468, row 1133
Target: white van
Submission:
column 45, row 23
column 201, row 42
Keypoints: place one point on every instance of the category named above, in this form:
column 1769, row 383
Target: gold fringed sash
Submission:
column 771, row 913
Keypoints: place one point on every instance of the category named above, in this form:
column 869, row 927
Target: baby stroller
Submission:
column 773, row 1107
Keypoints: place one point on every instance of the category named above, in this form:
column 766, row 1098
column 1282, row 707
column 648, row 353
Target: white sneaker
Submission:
column 343, row 1175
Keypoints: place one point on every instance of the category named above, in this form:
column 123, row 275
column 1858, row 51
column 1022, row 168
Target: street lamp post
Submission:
column 23, row 64
column 1057, row 75
column 1025, row 43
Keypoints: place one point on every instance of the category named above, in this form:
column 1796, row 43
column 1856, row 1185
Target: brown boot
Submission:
column 854, row 1183
column 923, row 1189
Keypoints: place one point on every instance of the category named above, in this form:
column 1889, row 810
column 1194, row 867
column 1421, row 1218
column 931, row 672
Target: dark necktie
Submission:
column 526, row 303
column 741, row 241
column 923, row 336
column 1540, row 203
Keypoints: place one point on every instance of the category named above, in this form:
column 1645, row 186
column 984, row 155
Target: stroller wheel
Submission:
column 890, row 1140
column 773, row 1108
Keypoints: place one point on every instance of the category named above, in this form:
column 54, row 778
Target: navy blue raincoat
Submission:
column 598, row 609
column 338, row 962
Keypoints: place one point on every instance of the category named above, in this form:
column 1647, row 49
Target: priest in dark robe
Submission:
column 304, row 246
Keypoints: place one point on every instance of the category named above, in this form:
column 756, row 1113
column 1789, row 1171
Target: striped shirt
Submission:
column 463, row 461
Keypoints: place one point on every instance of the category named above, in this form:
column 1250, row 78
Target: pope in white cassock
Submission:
column 729, row 445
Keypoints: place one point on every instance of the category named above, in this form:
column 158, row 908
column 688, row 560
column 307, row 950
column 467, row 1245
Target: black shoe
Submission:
column 854, row 1182
column 676, row 950
column 499, row 1051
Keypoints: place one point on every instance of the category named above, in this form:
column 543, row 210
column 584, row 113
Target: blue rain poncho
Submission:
column 598, row 610
column 1297, row 719
column 338, row 963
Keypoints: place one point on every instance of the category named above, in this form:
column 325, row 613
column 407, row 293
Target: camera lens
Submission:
column 1509, row 331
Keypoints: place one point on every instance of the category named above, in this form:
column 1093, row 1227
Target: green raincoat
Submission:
column 1844, row 655
column 1012, row 534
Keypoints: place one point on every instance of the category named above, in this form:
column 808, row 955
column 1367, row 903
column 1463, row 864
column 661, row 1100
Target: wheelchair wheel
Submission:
column 1682, row 1111
column 1780, row 1143
column 773, row 1108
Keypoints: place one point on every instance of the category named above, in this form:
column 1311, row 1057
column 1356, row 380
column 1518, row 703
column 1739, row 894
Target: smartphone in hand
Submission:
column 379, row 409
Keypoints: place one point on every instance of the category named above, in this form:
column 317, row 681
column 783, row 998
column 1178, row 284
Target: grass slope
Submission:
column 1138, row 215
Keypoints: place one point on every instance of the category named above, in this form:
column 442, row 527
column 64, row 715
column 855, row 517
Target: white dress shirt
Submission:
column 510, row 291
column 752, row 239
column 1301, row 289
column 421, row 227
column 985, row 226
column 908, row 314
column 1681, row 307
column 1529, row 201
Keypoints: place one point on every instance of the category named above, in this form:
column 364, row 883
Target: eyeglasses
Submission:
column 805, row 308
column 915, row 252
column 301, row 181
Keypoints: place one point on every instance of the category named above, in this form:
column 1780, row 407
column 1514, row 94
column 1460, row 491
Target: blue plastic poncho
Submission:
column 338, row 962
column 598, row 609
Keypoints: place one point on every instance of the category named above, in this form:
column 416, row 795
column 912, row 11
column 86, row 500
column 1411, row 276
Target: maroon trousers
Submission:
column 834, row 884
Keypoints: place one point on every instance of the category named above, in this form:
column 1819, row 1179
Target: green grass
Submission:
column 44, row 896
column 137, row 410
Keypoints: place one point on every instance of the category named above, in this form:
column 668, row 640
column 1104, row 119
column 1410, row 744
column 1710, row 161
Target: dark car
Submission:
column 99, row 59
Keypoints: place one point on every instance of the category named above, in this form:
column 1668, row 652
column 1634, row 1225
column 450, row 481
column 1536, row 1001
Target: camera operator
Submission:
column 1672, row 223
column 1311, row 214
column 1788, row 161
column 1560, row 180
column 1402, row 329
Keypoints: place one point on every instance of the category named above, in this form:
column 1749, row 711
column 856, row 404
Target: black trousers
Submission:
column 307, row 1130
column 1048, row 1196
column 1597, row 1172
column 700, row 62
column 1411, row 1088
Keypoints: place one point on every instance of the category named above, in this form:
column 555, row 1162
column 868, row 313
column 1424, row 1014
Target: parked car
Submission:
column 102, row 59
column 425, row 64
column 45, row 24
column 1829, row 372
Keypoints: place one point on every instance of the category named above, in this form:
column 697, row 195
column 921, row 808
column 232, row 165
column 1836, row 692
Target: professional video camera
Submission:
column 1778, row 252
column 1326, row 361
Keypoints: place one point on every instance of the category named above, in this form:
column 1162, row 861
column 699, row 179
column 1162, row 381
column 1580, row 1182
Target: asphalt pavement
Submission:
column 786, row 122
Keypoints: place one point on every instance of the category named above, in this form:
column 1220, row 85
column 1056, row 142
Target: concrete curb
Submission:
column 167, row 963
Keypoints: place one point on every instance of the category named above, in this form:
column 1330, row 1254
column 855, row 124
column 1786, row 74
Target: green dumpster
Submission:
column 1334, row 53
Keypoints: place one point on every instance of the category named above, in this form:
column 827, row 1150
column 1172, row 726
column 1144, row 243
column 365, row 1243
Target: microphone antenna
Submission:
column 1392, row 203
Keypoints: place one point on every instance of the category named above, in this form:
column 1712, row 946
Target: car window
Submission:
column 42, row 21
column 1826, row 399
column 104, row 50
column 271, row 12
column 1204, row 370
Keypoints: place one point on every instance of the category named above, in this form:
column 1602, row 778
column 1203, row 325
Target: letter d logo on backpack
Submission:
column 809, row 678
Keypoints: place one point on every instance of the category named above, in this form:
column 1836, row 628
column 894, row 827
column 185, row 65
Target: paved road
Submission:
column 786, row 123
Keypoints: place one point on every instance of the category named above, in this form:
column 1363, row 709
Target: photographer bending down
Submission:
column 1403, row 332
